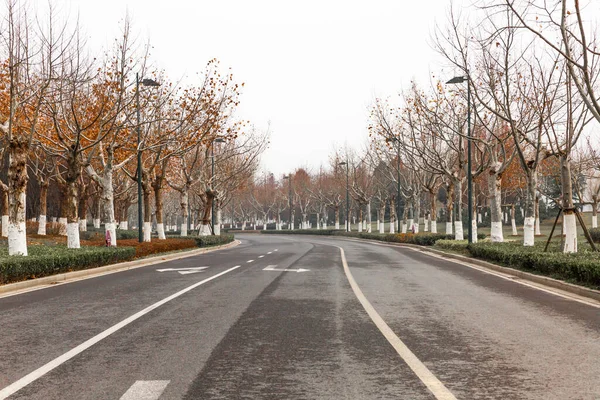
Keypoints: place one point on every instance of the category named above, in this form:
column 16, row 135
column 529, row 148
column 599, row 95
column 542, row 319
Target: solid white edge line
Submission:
column 43, row 370
column 512, row 278
column 145, row 390
column 423, row 373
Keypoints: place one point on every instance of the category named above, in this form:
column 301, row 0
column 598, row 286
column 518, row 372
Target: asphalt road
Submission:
column 234, row 330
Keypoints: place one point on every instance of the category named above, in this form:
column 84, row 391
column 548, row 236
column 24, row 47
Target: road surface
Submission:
column 245, row 323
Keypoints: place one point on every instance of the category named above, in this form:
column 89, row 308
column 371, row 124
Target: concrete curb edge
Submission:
column 107, row 269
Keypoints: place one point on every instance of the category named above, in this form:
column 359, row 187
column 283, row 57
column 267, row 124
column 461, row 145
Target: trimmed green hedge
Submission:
column 582, row 267
column 50, row 260
column 208, row 241
column 98, row 234
column 595, row 234
column 423, row 239
column 453, row 245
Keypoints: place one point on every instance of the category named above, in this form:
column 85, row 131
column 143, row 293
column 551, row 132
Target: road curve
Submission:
column 236, row 330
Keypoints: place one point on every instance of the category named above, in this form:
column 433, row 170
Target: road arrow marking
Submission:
column 183, row 271
column 272, row 268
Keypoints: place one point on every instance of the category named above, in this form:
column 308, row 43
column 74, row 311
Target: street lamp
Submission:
column 289, row 178
column 347, row 195
column 212, row 149
column 151, row 83
column 456, row 80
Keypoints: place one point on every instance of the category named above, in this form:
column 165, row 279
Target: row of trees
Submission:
column 81, row 123
column 528, row 106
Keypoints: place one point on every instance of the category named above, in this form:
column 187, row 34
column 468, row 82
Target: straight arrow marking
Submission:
column 272, row 268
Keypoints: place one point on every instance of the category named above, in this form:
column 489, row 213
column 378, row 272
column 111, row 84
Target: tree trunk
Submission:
column 458, row 225
column 417, row 201
column 405, row 218
column 146, row 194
column 537, row 215
column 217, row 227
column 337, row 216
column 158, row 202
column 184, row 211
column 433, row 215
column 529, row 223
column 369, row 229
column 392, row 215
column 569, row 221
column 72, row 201
column 513, row 220
column 594, row 211
column 449, row 207
column 83, row 211
column 360, row 218
column 205, row 227
column 382, row 217
column 495, row 189
column 5, row 212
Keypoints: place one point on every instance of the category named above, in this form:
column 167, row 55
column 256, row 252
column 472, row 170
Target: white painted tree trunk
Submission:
column 449, row 228
column 244, row 225
column 111, row 228
column 381, row 226
column 392, row 226
column 62, row 226
column 528, row 231
column 458, row 231
column 434, row 226
column 426, row 224
column 41, row 224
column 360, row 226
column 318, row 227
column 404, row 227
column 124, row 225
column 537, row 226
column 184, row 226
column 368, row 222
column 594, row 221
column 411, row 225
column 204, row 230
column 513, row 222
column 73, row 235
column 497, row 235
column 97, row 223
column 147, row 231
column 17, row 239
column 416, row 225
column 160, row 229
column 218, row 222
column 480, row 218
column 82, row 225
column 5, row 226
column 474, row 231
column 570, row 224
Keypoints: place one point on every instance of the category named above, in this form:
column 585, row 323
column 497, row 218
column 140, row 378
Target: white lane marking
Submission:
column 145, row 390
column 269, row 252
column 260, row 256
column 249, row 261
column 272, row 268
column 183, row 271
column 276, row 250
column 507, row 276
column 43, row 370
column 425, row 375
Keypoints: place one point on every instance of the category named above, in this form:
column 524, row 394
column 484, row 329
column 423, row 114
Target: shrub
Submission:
column 595, row 234
column 144, row 249
column 583, row 267
column 49, row 260
column 453, row 245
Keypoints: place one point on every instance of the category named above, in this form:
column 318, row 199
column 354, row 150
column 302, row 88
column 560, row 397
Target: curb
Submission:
column 525, row 276
column 106, row 269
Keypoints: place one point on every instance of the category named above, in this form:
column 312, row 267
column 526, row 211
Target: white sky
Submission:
column 311, row 68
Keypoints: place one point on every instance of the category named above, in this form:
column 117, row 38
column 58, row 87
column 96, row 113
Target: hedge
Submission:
column 581, row 267
column 423, row 239
column 595, row 234
column 207, row 241
column 50, row 260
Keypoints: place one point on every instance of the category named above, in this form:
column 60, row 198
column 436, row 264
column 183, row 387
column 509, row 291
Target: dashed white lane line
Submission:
column 145, row 390
column 276, row 250
column 43, row 370
column 260, row 256
column 270, row 252
column 249, row 261
column 423, row 373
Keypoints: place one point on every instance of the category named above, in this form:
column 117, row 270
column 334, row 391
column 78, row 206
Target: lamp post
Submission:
column 347, row 195
column 152, row 83
column 212, row 177
column 456, row 80
column 289, row 178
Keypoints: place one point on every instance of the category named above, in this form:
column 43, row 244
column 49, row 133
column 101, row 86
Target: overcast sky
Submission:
column 310, row 68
